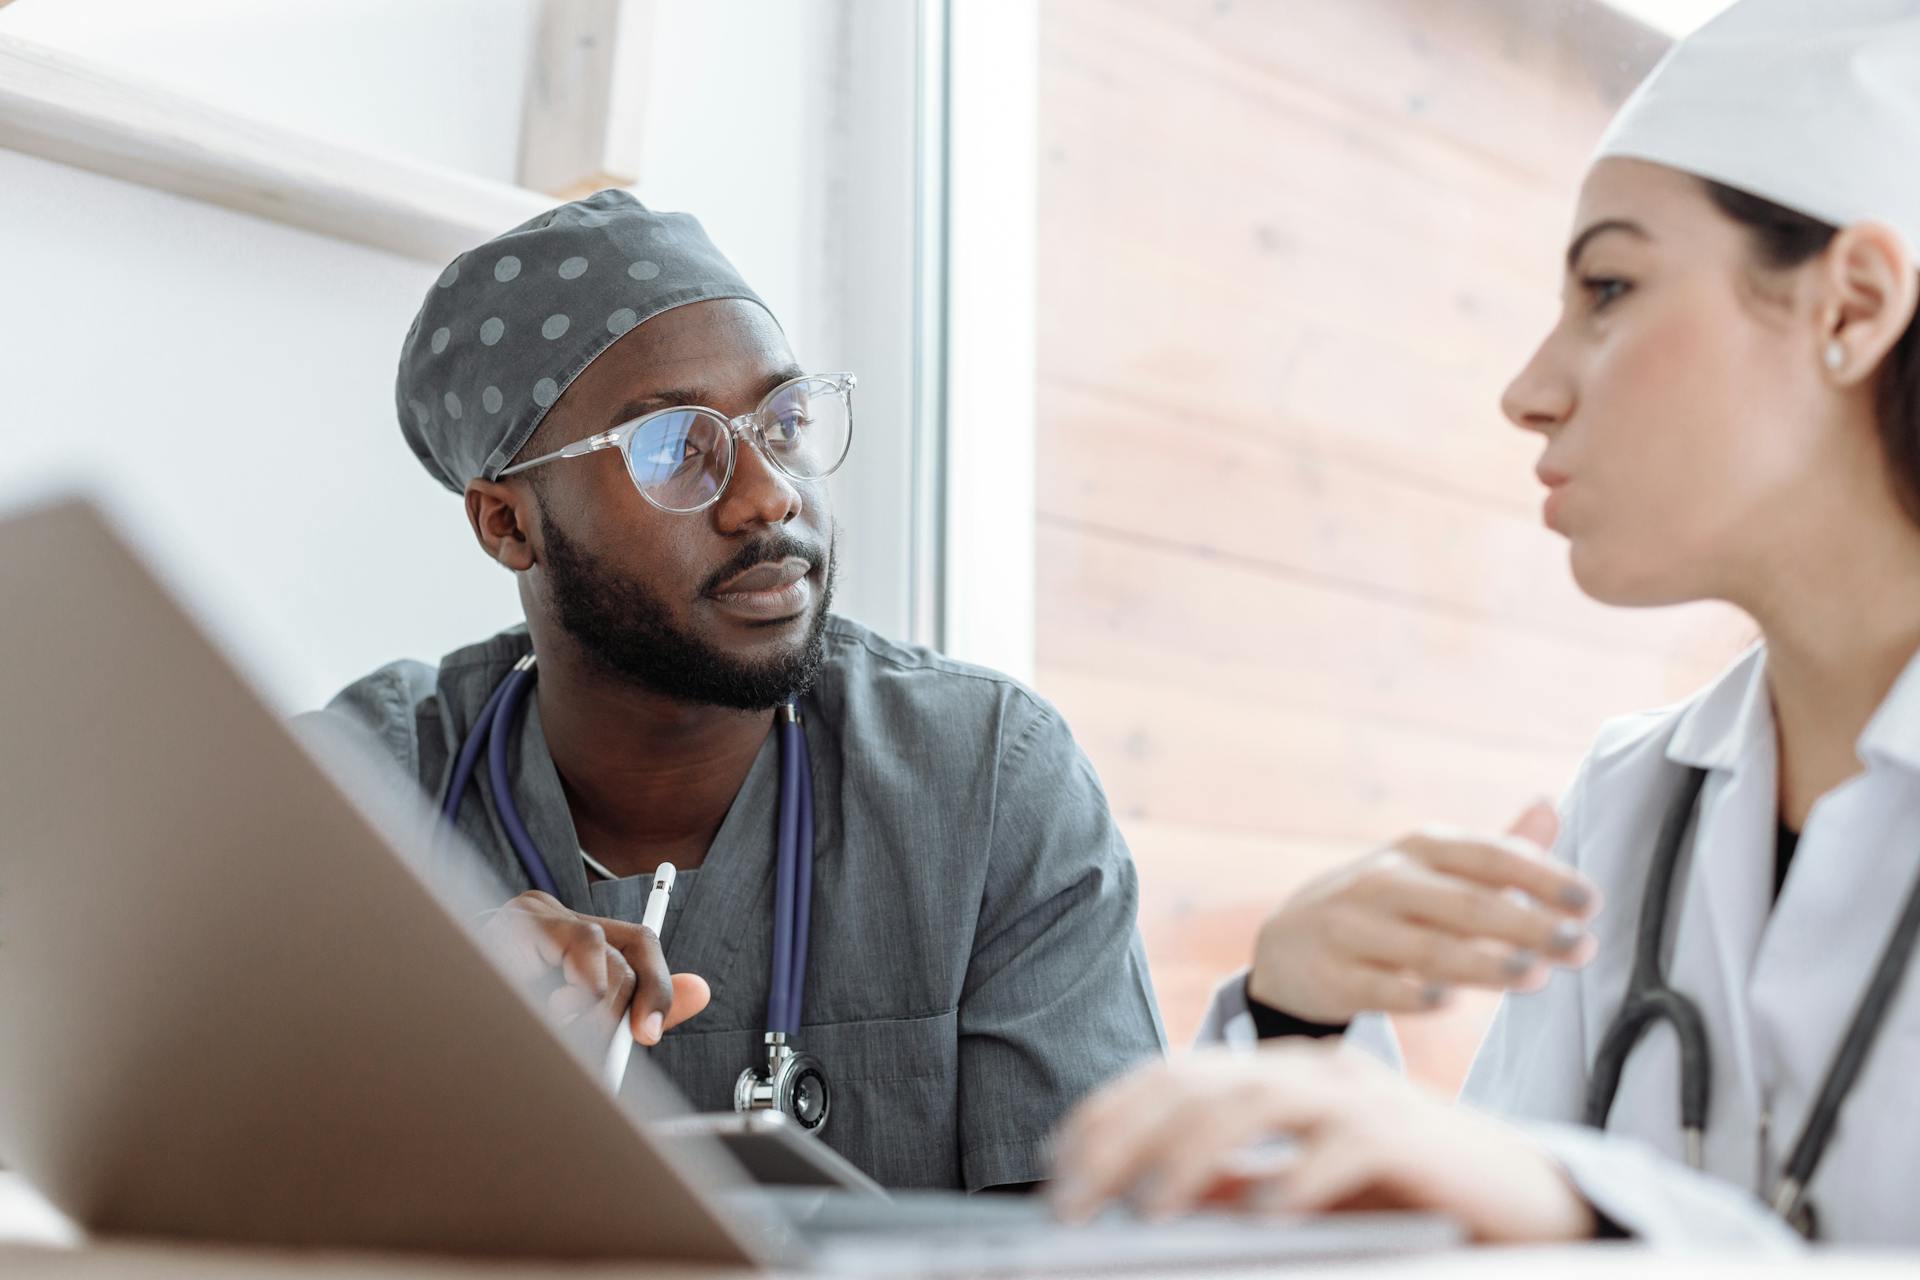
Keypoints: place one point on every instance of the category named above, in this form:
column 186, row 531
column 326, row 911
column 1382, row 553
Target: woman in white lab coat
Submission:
column 1728, row 408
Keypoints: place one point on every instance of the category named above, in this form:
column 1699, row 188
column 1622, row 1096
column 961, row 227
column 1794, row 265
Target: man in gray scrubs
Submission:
column 974, row 965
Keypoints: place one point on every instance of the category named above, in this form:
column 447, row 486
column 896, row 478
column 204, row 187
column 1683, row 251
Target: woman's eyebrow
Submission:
column 1585, row 238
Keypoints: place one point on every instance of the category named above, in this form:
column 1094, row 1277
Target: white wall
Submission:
column 788, row 126
column 227, row 381
column 437, row 81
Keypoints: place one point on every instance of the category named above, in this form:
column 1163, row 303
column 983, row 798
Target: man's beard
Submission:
column 626, row 629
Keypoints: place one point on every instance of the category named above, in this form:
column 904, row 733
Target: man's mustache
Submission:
column 775, row 546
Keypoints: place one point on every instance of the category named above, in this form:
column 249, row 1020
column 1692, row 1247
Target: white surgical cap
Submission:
column 1812, row 104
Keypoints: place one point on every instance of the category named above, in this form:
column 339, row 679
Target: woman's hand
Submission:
column 1399, row 929
column 1173, row 1136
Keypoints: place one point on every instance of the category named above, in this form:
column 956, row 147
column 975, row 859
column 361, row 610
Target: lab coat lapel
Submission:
column 1726, row 912
column 1851, row 875
column 1617, row 822
column 1719, row 915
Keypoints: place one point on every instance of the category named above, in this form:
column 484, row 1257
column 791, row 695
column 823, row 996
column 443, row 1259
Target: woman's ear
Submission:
column 1872, row 285
column 500, row 515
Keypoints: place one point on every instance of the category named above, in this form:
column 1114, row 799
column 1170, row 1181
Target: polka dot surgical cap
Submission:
column 509, row 325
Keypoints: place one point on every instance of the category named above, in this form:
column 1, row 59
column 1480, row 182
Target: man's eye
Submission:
column 674, row 454
column 790, row 424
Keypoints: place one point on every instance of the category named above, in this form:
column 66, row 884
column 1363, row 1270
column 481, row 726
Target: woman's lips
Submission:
column 1556, row 482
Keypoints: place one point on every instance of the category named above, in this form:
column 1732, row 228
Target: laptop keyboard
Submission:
column 949, row 1233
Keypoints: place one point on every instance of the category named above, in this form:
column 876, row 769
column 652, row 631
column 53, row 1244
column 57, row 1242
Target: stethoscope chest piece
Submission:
column 792, row 1084
column 1791, row 1203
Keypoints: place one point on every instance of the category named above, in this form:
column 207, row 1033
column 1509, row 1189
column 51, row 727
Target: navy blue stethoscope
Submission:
column 791, row 1082
column 1651, row 1000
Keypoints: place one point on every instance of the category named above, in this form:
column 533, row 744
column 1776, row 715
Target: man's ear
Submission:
column 1873, row 288
column 501, row 515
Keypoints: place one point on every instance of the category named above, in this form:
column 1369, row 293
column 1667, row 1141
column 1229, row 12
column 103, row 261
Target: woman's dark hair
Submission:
column 1782, row 239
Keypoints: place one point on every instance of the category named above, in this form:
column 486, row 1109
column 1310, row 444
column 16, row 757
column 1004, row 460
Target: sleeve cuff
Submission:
column 1636, row 1193
column 1002, row 1164
column 1605, row 1228
column 1270, row 1023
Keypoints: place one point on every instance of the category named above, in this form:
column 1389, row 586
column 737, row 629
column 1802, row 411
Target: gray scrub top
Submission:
column 975, row 966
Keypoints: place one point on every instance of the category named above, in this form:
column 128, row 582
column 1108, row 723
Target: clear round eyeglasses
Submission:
column 680, row 459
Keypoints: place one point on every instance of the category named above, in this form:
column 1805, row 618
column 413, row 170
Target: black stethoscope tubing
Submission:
column 1650, row 999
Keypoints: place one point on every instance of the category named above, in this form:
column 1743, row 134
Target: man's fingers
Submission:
column 513, row 934
column 515, row 941
column 565, row 1004
column 610, row 962
column 620, row 982
column 575, row 944
column 584, row 954
column 653, row 990
column 691, row 995
column 534, row 903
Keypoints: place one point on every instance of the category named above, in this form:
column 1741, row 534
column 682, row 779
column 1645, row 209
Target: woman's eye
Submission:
column 1603, row 291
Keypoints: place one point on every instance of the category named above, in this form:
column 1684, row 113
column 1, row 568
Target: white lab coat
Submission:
column 1776, row 982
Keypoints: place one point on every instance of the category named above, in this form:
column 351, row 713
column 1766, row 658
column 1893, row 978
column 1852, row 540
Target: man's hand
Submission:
column 606, row 965
column 1399, row 929
column 1173, row 1136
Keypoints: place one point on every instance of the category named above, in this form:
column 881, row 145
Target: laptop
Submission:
column 237, row 1004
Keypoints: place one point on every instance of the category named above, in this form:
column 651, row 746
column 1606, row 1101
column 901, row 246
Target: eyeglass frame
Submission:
column 746, row 427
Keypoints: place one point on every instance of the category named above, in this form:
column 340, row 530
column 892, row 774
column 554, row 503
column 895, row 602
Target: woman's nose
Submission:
column 1540, row 397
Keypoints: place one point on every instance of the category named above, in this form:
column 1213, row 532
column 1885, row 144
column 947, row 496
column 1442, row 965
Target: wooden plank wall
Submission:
column 1293, row 591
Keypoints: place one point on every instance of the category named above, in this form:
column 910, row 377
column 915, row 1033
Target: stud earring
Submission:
column 1836, row 356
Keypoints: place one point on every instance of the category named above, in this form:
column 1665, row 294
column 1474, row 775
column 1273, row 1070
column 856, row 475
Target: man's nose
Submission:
column 759, row 493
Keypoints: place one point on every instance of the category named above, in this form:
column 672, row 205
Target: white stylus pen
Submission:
column 621, row 1049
